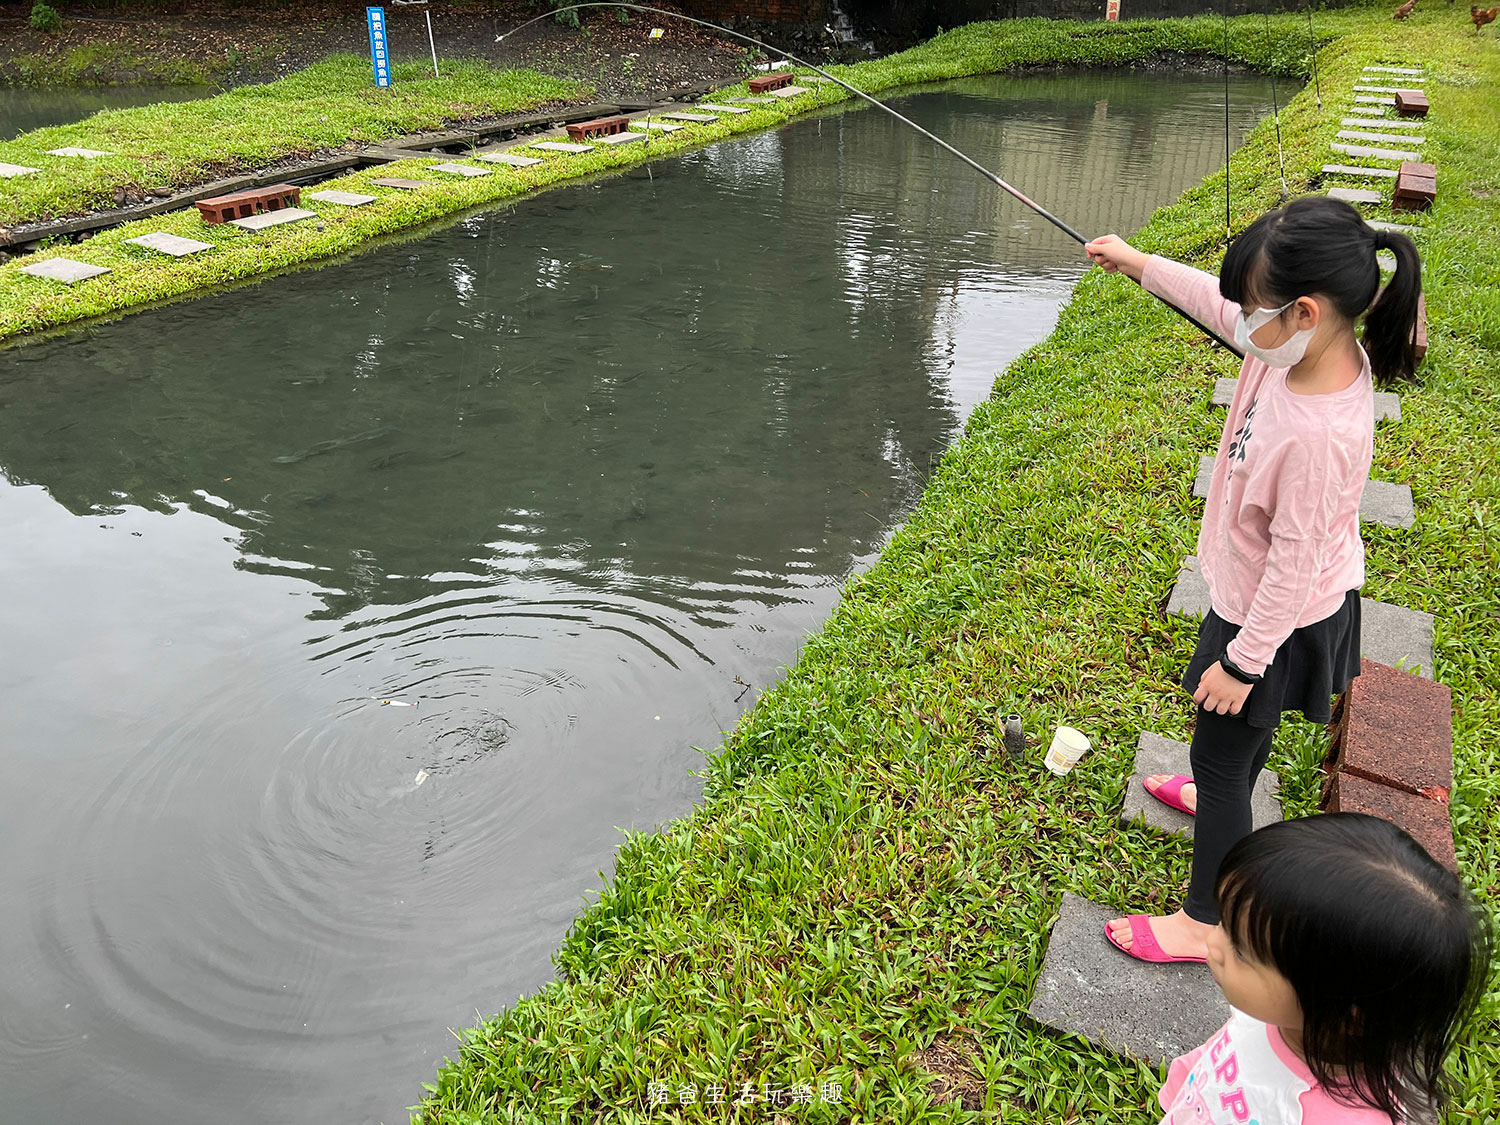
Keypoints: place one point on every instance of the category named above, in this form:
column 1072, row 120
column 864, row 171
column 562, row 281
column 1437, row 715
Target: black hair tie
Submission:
column 1382, row 241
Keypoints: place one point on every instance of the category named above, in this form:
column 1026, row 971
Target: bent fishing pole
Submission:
column 1000, row 183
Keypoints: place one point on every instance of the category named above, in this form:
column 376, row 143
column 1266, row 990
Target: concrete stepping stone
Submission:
column 64, row 270
column 9, row 170
column 1397, row 70
column 1352, row 170
column 1387, row 403
column 1400, row 228
column 1387, row 504
column 1375, row 153
column 86, row 153
column 1365, row 135
column 561, row 146
column 1374, row 99
column 621, row 138
column 1390, row 634
column 1377, row 89
column 170, row 244
column 713, row 108
column 342, row 198
column 660, row 126
column 274, row 218
column 816, row 79
column 508, row 158
column 399, row 182
column 1355, row 195
column 700, row 118
column 462, row 169
column 790, row 91
column 1089, row 988
column 1370, row 110
column 758, row 99
column 1391, row 123
column 1155, row 754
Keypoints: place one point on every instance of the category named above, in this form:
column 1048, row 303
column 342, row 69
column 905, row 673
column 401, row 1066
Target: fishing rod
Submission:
column 1000, row 183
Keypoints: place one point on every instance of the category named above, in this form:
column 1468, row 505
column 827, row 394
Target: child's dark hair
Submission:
column 1386, row 953
column 1317, row 246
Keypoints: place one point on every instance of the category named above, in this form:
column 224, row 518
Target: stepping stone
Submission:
column 1387, row 403
column 1155, row 754
column 398, row 182
column 790, row 91
column 1351, row 170
column 621, row 138
column 86, row 153
column 660, row 126
column 701, row 118
column 560, row 146
column 1375, row 153
column 755, row 98
column 1089, row 988
column 343, row 198
column 64, row 270
column 1390, row 634
column 1395, row 729
column 817, row 79
column 1378, row 89
column 712, row 108
column 1358, row 135
column 1355, row 195
column 508, row 158
column 1387, row 504
column 460, row 169
column 1393, row 123
column 164, row 243
column 9, row 170
column 1398, row 70
column 1374, row 99
column 274, row 218
column 1400, row 228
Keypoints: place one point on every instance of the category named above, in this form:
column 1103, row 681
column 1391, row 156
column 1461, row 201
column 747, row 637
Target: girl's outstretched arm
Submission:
column 1114, row 255
column 1193, row 291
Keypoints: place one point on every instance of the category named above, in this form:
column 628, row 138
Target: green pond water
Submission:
column 23, row 109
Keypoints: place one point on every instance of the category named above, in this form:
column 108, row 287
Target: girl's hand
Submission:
column 1114, row 254
column 1220, row 692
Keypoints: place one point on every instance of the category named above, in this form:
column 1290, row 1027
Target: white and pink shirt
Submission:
column 1247, row 1075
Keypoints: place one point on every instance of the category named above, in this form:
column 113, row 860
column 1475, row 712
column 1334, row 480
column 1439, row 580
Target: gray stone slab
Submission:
column 1374, row 99
column 755, row 99
column 1407, row 229
column 1374, row 153
column 274, row 218
column 816, row 79
column 171, row 244
column 700, row 118
column 9, row 170
column 342, row 198
column 64, row 270
column 86, row 153
column 1155, row 754
column 1369, row 110
column 560, row 146
column 460, row 169
column 1390, row 138
column 621, row 138
column 1356, row 195
column 790, row 91
column 509, row 158
column 1377, row 90
column 399, row 182
column 1352, row 170
column 714, row 107
column 1390, row 634
column 1089, row 988
column 1387, row 403
column 659, row 126
column 1384, row 123
column 1387, row 504
column 1398, row 70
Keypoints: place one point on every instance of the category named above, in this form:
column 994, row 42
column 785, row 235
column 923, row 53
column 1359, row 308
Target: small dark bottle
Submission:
column 1015, row 737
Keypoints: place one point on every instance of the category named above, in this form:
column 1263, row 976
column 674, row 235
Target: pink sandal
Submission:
column 1143, row 945
column 1169, row 792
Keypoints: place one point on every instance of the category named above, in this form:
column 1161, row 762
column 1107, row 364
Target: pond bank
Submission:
column 860, row 906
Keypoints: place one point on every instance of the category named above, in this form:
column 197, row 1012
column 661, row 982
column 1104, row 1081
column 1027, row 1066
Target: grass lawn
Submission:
column 865, row 894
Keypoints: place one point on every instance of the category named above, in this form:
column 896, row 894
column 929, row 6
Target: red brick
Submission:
column 242, row 204
column 1419, row 330
column 1411, row 103
column 1425, row 821
column 771, row 81
column 599, row 127
column 1396, row 729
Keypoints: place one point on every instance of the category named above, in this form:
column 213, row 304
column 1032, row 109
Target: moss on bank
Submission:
column 864, row 896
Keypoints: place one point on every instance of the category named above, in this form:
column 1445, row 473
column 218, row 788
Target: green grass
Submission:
column 868, row 885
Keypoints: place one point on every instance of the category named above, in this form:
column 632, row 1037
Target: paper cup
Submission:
column 1068, row 745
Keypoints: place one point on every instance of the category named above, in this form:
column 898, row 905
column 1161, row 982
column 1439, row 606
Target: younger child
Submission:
column 1351, row 960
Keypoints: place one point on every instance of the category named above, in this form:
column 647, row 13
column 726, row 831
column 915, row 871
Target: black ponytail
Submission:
column 1318, row 246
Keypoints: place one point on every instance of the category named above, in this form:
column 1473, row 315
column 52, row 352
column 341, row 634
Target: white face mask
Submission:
column 1286, row 354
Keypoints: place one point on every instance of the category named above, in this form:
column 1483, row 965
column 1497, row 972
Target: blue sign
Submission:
column 379, row 57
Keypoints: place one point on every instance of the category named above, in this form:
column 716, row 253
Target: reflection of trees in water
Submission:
column 715, row 373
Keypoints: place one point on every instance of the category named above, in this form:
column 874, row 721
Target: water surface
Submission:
column 575, row 476
column 23, row 109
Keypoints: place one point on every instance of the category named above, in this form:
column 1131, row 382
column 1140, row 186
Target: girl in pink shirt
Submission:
column 1351, row 960
column 1280, row 547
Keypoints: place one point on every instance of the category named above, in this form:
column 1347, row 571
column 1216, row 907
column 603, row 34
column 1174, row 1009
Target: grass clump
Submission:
column 44, row 17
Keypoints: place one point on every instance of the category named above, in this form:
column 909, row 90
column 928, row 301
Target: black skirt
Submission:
column 1312, row 665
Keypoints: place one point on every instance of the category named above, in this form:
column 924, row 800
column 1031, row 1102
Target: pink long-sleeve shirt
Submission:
column 1280, row 546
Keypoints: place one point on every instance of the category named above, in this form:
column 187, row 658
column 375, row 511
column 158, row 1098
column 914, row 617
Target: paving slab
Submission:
column 1155, row 754
column 1387, row 504
column 399, row 182
column 1374, row 153
column 815, row 79
column 64, row 270
column 460, row 169
column 713, row 107
column 9, row 170
column 274, row 218
column 509, row 158
column 164, row 243
column 86, row 153
column 1369, row 110
column 1354, row 170
column 755, row 99
column 1366, row 135
column 1089, row 988
column 700, row 118
column 621, row 138
column 1389, row 634
column 343, row 198
column 659, row 126
column 1384, row 123
column 1398, row 70
column 1374, row 99
column 1356, row 195
column 1409, row 229
column 790, row 91
column 1387, row 403
column 1377, row 89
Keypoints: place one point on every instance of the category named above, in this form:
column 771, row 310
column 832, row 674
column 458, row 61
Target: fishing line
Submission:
column 1228, row 149
column 995, row 179
column 1275, row 109
column 1312, row 49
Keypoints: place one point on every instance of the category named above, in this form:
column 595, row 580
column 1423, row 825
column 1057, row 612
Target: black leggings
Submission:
column 1227, row 756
